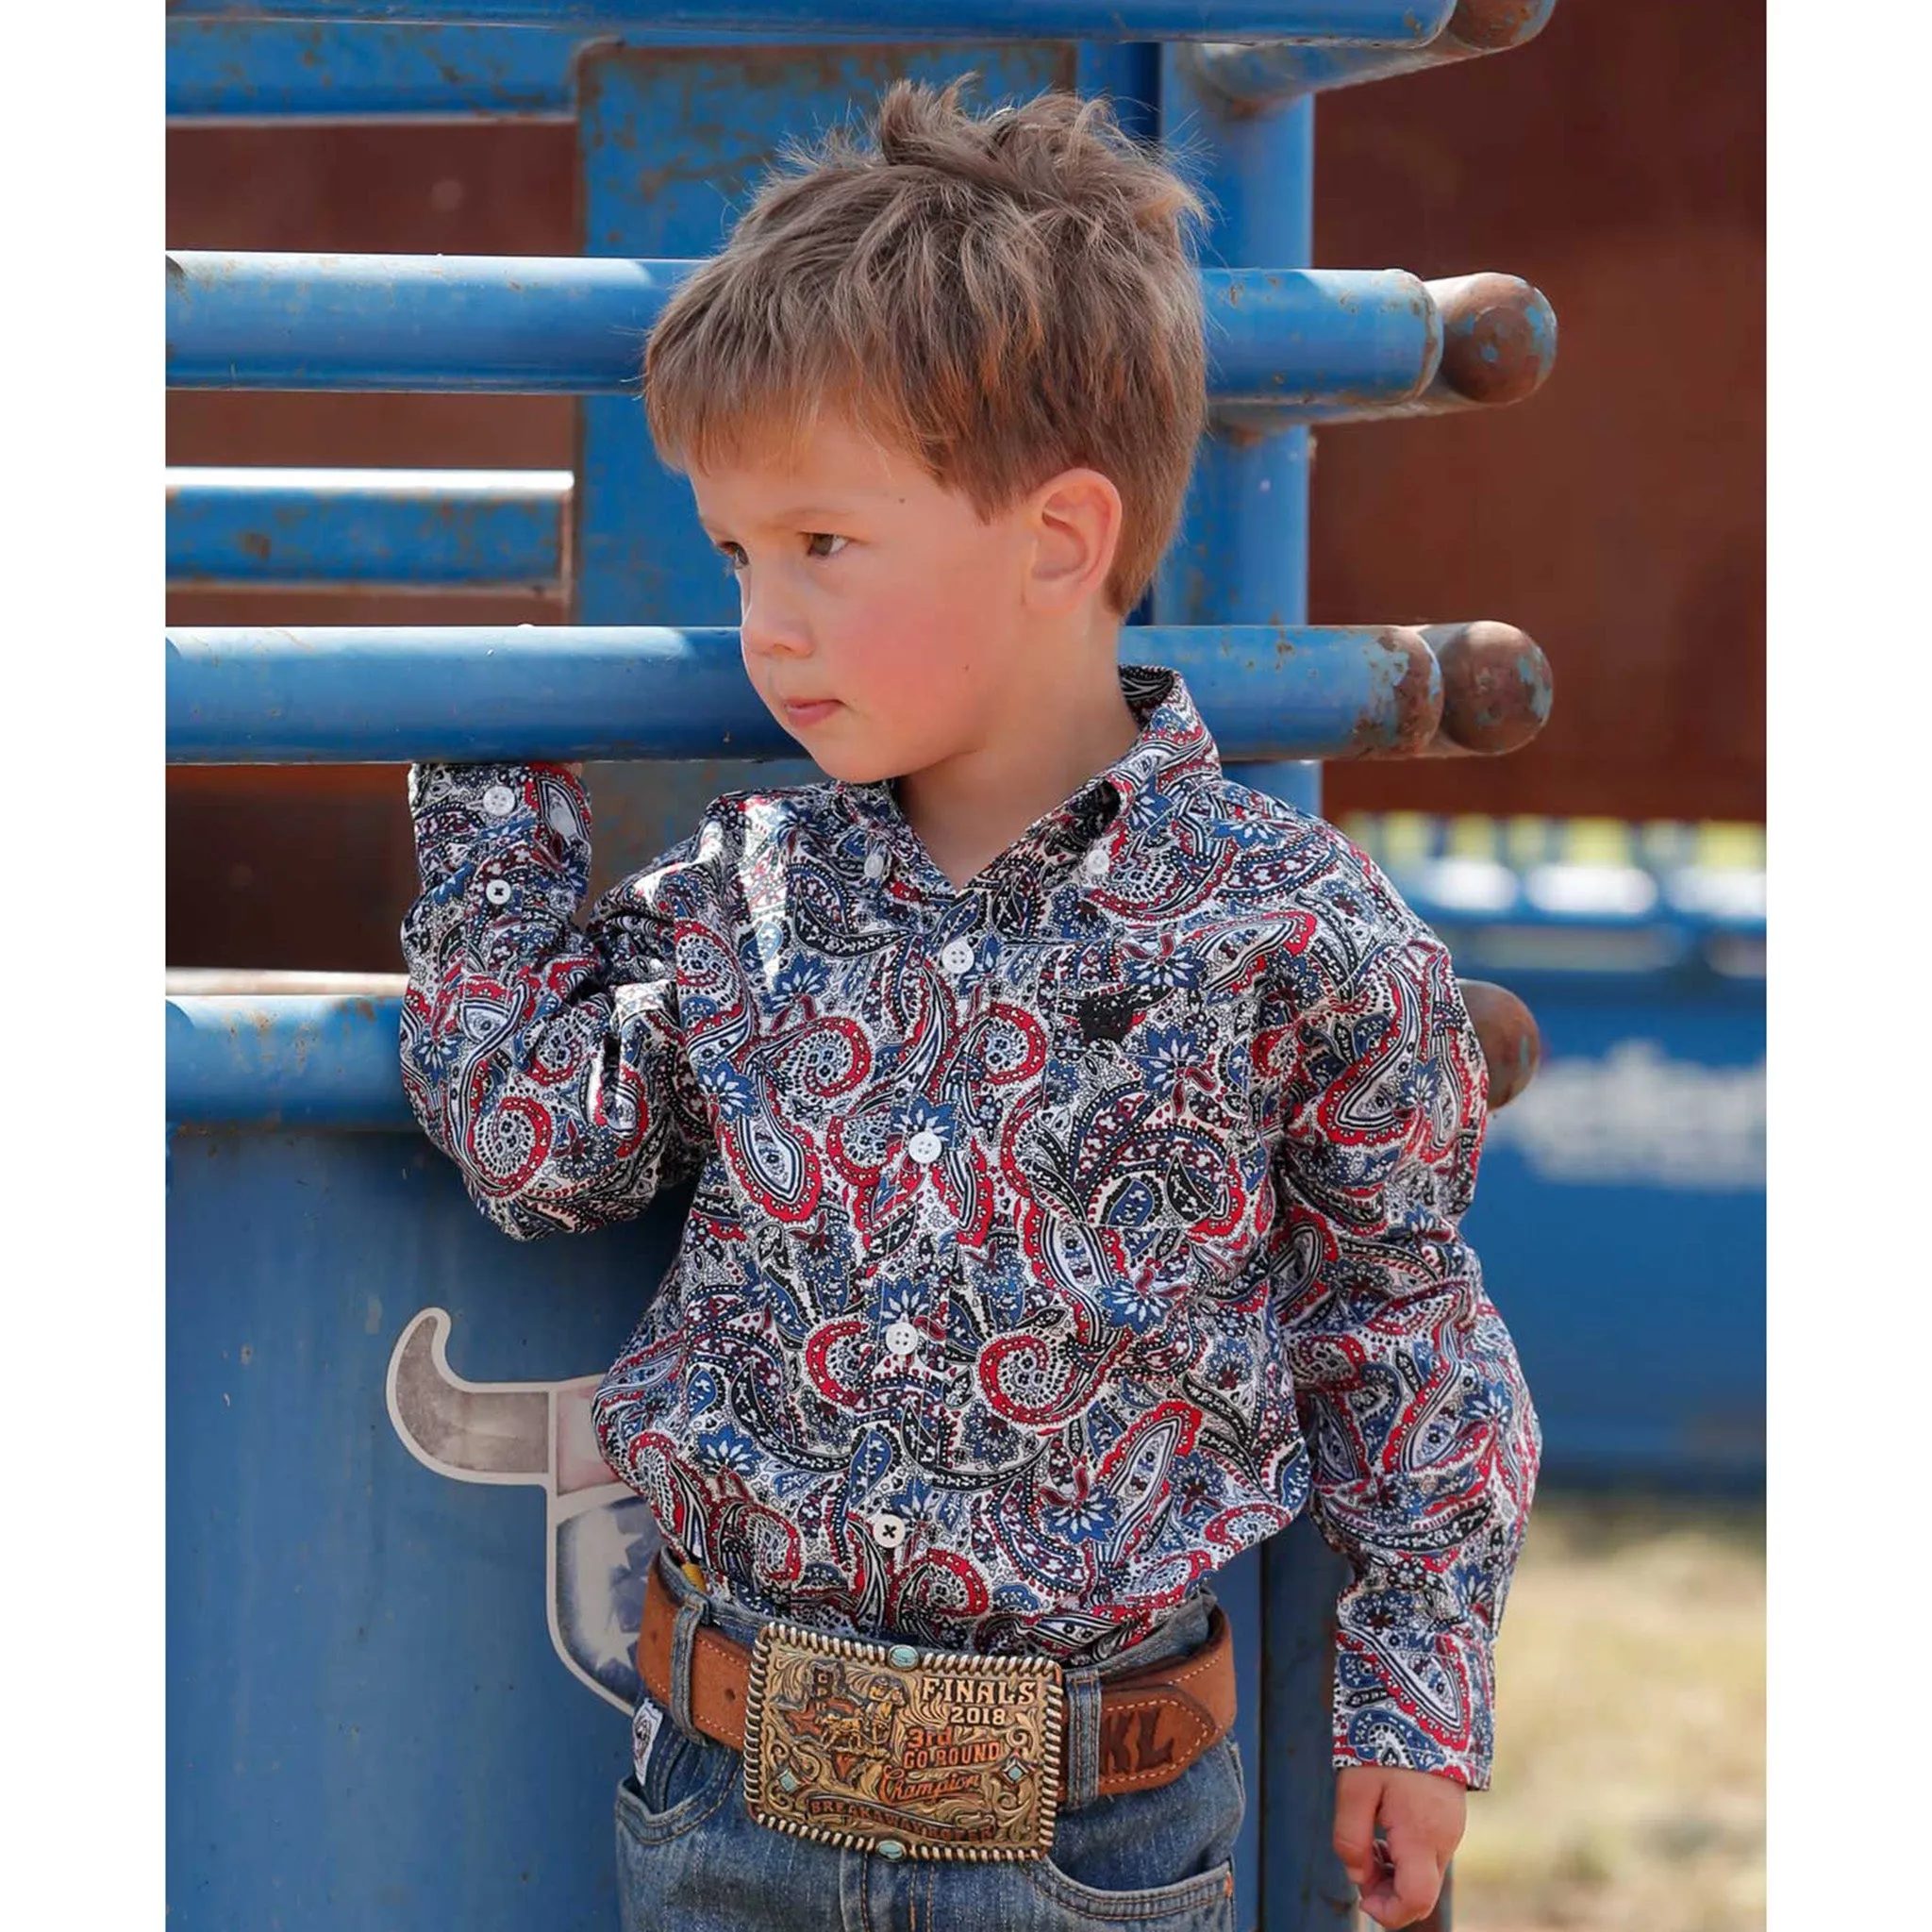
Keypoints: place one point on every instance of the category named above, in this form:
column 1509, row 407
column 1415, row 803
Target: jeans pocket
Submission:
column 695, row 1780
column 1161, row 1858
column 1202, row 1903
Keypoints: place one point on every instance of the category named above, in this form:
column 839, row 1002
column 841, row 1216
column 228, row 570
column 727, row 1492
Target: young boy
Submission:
column 1080, row 1136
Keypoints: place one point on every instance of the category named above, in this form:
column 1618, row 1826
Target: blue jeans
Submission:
column 690, row 1857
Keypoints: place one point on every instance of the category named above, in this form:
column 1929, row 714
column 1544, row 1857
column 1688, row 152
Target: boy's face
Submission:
column 865, row 584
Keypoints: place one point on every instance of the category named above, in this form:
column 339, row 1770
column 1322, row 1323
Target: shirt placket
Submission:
column 910, row 1399
column 906, row 1301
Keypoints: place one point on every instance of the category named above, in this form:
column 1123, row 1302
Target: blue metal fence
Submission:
column 366, row 1725
column 439, row 528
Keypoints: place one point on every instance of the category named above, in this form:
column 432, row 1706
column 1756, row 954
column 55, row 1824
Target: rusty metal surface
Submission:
column 1497, row 687
column 1489, row 691
column 1486, row 26
column 1637, row 555
column 1499, row 339
column 1411, row 720
column 1512, row 1045
column 1252, row 77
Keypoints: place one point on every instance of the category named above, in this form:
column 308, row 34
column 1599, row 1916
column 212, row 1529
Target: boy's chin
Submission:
column 847, row 767
column 850, row 764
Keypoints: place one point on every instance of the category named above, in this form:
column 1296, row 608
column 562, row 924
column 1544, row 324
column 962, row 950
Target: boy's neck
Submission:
column 1052, row 737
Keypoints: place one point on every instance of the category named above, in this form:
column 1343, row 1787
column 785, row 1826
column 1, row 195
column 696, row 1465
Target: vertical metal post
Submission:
column 1242, row 558
column 1243, row 553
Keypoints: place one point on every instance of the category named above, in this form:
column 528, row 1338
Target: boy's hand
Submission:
column 1421, row 1814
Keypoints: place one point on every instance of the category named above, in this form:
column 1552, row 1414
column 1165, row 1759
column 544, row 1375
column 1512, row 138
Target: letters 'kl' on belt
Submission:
column 926, row 1754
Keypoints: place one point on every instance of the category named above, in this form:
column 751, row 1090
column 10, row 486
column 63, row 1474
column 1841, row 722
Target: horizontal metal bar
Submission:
column 571, row 325
column 285, row 1060
column 277, row 69
column 198, row 981
column 1251, row 73
column 241, row 695
column 1499, row 344
column 1373, row 23
column 243, row 70
column 432, row 529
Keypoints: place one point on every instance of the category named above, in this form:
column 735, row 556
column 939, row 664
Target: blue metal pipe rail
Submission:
column 233, row 66
column 1357, row 23
column 270, row 1062
column 426, row 528
column 575, row 326
column 236, row 695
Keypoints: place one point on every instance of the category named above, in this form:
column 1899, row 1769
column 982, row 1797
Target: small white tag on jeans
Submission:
column 647, row 1720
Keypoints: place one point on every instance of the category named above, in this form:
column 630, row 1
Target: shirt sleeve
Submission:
column 547, row 1062
column 1423, row 1441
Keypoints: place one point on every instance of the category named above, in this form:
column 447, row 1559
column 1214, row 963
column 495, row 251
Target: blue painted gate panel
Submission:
column 369, row 1723
column 1620, row 1218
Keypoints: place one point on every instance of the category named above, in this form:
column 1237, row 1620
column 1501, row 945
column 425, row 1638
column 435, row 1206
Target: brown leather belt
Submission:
column 1154, row 1722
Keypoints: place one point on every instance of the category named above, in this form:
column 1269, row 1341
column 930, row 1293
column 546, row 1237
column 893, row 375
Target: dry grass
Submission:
column 1628, row 1793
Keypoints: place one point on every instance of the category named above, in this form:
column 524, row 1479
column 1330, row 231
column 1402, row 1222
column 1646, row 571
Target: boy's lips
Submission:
column 807, row 709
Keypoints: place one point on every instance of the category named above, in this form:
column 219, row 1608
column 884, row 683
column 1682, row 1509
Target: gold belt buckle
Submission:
column 914, row 1754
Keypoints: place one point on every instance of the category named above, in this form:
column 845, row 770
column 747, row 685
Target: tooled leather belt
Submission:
column 923, row 1753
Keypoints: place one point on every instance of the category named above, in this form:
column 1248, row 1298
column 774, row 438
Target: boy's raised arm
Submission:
column 547, row 1062
column 1424, row 1442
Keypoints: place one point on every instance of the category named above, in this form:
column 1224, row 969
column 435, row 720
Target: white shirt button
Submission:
column 1097, row 864
column 957, row 957
column 925, row 1146
column 874, row 865
column 498, row 891
column 889, row 1531
column 499, row 801
column 902, row 1338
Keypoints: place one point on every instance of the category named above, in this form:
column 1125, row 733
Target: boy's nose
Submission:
column 767, row 626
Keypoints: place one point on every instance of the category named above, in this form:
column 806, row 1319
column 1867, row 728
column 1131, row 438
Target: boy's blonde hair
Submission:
column 1002, row 296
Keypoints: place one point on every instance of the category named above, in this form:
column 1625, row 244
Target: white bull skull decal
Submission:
column 600, row 1536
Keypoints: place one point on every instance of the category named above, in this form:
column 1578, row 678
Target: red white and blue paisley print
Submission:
column 1053, row 1241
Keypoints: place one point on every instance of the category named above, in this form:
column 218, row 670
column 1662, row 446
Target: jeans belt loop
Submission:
column 684, row 1636
column 1083, row 1740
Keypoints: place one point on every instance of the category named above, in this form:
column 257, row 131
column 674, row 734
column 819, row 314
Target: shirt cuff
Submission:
column 1416, row 1710
column 476, row 815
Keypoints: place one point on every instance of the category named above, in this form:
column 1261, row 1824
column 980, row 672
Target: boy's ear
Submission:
column 1075, row 522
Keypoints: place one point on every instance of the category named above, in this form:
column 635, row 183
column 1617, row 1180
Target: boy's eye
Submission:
column 819, row 543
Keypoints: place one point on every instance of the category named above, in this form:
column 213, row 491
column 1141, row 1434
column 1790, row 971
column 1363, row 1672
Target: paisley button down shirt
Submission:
column 1054, row 1239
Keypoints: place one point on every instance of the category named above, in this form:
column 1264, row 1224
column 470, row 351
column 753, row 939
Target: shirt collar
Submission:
column 1174, row 748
